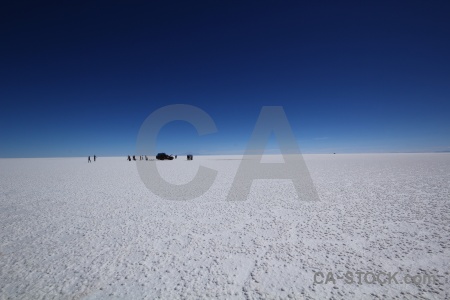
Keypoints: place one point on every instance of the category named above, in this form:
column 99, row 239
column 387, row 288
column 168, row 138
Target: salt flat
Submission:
column 70, row 229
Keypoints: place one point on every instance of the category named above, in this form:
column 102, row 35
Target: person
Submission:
column 134, row 157
column 146, row 158
column 95, row 157
column 89, row 159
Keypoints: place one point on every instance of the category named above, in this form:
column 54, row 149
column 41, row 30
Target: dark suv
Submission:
column 163, row 156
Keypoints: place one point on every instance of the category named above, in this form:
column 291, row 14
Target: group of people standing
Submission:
column 89, row 158
column 141, row 157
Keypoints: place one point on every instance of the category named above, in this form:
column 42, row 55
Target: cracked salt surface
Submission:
column 70, row 229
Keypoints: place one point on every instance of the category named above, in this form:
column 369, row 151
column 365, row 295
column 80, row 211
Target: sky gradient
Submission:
column 79, row 79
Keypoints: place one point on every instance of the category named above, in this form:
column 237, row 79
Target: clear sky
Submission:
column 78, row 79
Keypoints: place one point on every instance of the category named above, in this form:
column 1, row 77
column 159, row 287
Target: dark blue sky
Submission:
column 364, row 76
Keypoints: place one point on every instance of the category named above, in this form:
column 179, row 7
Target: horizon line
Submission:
column 264, row 154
